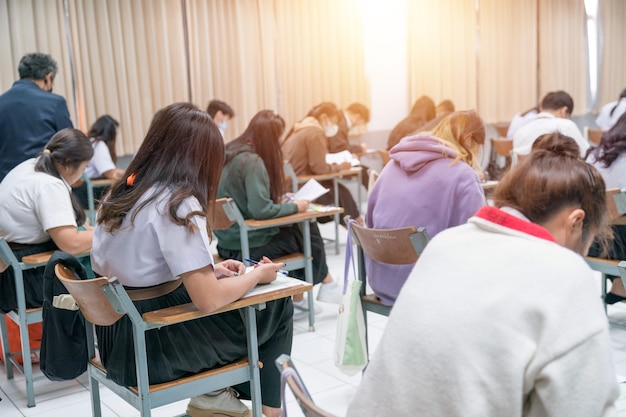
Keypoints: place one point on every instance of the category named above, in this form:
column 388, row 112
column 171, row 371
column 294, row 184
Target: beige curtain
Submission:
column 320, row 55
column 613, row 55
column 28, row 26
column 562, row 44
column 442, row 51
column 232, row 57
column 130, row 61
column 507, row 77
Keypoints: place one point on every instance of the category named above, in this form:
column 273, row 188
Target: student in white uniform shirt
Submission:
column 102, row 134
column 154, row 231
column 556, row 109
column 516, row 328
column 520, row 120
column 611, row 112
column 38, row 212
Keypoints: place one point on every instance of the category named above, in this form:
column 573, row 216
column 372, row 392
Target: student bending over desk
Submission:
column 153, row 232
column 38, row 212
column 306, row 146
column 253, row 177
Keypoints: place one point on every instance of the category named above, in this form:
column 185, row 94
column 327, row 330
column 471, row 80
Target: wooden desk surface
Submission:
column 190, row 311
column 293, row 218
column 102, row 182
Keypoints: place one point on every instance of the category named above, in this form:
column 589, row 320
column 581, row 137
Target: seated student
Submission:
column 253, row 177
column 556, row 109
column 422, row 112
column 500, row 316
column 221, row 113
column 102, row 135
column 154, row 228
column 38, row 212
column 611, row 112
column 430, row 182
column 306, row 147
column 609, row 157
column 521, row 119
column 356, row 114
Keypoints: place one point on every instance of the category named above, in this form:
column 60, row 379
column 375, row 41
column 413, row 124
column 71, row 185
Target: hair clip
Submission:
column 131, row 179
column 47, row 151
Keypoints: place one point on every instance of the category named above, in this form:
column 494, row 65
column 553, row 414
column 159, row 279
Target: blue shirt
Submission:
column 29, row 116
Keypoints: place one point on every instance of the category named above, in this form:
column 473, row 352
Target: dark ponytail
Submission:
column 70, row 148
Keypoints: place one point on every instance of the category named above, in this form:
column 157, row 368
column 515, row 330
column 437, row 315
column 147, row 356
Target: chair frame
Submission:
column 103, row 301
column 90, row 185
column 22, row 317
column 391, row 246
column 227, row 213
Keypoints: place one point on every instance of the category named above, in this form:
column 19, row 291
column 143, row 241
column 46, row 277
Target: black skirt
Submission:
column 289, row 240
column 198, row 345
column 33, row 279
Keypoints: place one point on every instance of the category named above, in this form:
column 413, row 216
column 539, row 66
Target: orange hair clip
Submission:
column 131, row 179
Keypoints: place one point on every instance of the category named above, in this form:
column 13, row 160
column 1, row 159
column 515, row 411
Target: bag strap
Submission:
column 349, row 257
column 286, row 373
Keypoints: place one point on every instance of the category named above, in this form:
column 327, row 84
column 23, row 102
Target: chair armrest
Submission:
column 606, row 266
column 292, row 218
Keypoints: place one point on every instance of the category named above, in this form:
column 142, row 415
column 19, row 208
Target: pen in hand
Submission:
column 250, row 261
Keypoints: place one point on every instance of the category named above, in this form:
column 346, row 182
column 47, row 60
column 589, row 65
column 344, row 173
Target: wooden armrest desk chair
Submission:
column 227, row 213
column 289, row 373
column 354, row 173
column 103, row 301
column 22, row 316
column 592, row 135
column 390, row 246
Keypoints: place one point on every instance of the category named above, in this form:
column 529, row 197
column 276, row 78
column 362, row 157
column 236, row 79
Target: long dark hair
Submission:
column 183, row 152
column 263, row 134
column 105, row 129
column 612, row 143
column 70, row 148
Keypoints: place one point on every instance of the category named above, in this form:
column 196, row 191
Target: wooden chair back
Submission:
column 502, row 147
column 221, row 220
column 593, row 135
column 391, row 246
column 89, row 296
column 502, row 129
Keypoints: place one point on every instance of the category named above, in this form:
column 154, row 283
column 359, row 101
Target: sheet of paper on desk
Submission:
column 311, row 190
column 340, row 157
column 321, row 208
column 279, row 283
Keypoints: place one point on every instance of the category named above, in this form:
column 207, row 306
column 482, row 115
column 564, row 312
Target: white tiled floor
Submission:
column 312, row 354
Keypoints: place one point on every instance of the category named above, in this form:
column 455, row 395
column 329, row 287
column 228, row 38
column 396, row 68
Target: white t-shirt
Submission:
column 547, row 123
column 33, row 202
column 605, row 120
column 520, row 121
column 615, row 175
column 101, row 161
column 153, row 250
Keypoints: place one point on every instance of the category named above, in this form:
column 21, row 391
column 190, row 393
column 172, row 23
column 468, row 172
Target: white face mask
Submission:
column 331, row 130
column 223, row 125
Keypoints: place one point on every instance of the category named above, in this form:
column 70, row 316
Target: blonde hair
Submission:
column 462, row 131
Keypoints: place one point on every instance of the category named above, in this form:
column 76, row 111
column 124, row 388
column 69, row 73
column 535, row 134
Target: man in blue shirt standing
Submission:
column 29, row 113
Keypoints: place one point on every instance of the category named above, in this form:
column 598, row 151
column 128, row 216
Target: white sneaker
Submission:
column 330, row 293
column 303, row 306
column 221, row 403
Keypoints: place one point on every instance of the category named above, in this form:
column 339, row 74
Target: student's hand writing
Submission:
column 344, row 166
column 267, row 270
column 303, row 205
column 229, row 268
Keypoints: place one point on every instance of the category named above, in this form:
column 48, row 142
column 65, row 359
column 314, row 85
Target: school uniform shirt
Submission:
column 614, row 175
column 245, row 180
column 153, row 250
column 101, row 161
column 547, row 123
column 420, row 187
column 605, row 119
column 496, row 319
column 519, row 121
column 33, row 202
column 29, row 116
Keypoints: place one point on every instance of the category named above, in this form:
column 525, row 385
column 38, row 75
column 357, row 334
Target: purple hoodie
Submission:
column 419, row 187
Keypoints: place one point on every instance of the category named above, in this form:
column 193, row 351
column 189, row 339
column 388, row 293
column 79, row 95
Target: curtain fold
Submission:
column 613, row 55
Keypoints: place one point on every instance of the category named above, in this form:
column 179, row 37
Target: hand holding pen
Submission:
column 252, row 262
column 303, row 205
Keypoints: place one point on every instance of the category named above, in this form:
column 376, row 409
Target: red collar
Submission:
column 497, row 216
